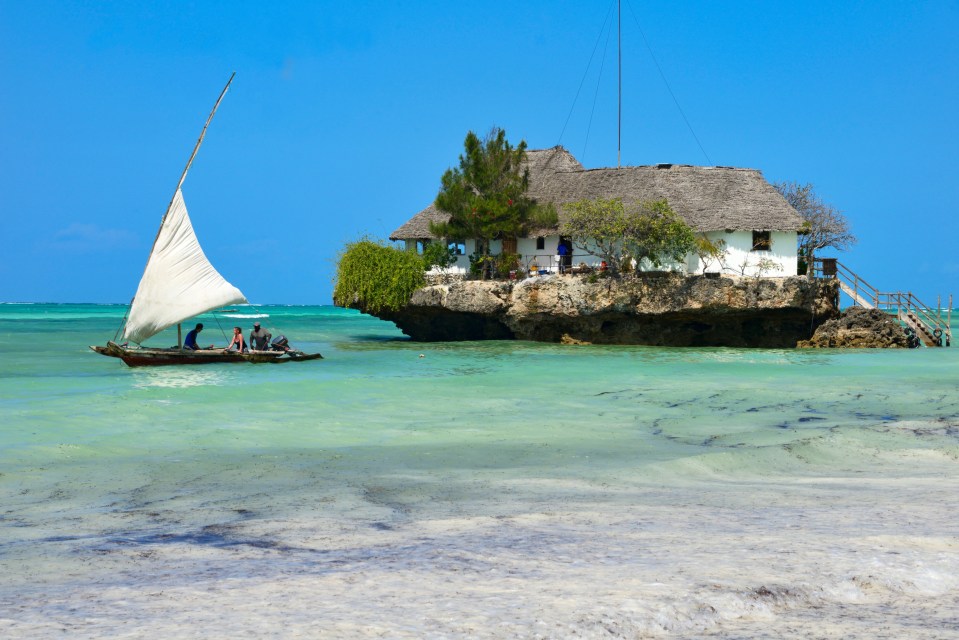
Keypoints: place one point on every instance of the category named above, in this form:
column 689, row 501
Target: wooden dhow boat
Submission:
column 140, row 356
column 178, row 283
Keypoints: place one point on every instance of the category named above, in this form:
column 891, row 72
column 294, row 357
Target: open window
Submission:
column 540, row 243
column 762, row 241
column 458, row 247
column 421, row 245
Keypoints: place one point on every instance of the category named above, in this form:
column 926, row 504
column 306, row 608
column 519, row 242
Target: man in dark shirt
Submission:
column 259, row 338
column 190, row 342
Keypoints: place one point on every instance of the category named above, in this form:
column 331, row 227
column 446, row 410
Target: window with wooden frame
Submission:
column 762, row 241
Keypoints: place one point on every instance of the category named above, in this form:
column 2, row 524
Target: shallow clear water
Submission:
column 488, row 490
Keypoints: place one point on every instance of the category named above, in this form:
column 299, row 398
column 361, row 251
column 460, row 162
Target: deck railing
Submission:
column 933, row 327
column 550, row 262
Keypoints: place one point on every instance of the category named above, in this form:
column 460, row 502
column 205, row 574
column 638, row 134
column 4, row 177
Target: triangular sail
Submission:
column 178, row 282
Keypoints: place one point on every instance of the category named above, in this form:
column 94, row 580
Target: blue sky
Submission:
column 344, row 115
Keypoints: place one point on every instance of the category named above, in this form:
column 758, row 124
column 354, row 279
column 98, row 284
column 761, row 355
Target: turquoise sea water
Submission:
column 473, row 490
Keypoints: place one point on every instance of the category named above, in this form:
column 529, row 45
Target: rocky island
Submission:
column 659, row 255
column 659, row 309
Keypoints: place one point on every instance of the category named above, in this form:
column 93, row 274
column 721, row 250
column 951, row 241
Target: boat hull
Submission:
column 160, row 357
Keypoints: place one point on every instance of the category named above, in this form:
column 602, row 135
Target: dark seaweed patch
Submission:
column 211, row 536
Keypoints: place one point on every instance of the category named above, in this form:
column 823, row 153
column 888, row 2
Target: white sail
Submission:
column 178, row 282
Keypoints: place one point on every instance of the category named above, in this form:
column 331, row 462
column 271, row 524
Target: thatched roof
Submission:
column 708, row 198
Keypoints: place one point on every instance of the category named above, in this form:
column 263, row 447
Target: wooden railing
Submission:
column 550, row 262
column 926, row 322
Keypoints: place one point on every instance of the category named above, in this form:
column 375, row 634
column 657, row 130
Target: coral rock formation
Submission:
column 858, row 328
column 662, row 309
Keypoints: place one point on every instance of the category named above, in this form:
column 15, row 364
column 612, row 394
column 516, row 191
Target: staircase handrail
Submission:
column 849, row 278
column 858, row 283
column 912, row 303
column 933, row 322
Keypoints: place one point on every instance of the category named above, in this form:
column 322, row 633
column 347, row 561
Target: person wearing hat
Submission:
column 260, row 338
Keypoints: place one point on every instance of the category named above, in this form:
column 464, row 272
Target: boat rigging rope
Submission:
column 586, row 72
column 659, row 69
column 666, row 82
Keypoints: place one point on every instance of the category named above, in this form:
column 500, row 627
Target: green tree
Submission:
column 486, row 195
column 372, row 276
column 438, row 254
column 614, row 233
column 823, row 224
column 657, row 234
column 598, row 228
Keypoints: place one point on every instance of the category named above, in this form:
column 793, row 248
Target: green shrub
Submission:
column 373, row 276
column 506, row 262
column 438, row 254
column 481, row 266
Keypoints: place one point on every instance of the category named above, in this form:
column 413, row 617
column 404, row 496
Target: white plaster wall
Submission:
column 544, row 258
column 740, row 258
column 738, row 251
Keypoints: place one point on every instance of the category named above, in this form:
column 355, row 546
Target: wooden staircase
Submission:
column 927, row 324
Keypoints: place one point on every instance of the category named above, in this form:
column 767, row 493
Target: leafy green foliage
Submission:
column 506, row 262
column 486, row 195
column 607, row 229
column 710, row 251
column 373, row 276
column 598, row 227
column 438, row 254
column 480, row 265
column 659, row 235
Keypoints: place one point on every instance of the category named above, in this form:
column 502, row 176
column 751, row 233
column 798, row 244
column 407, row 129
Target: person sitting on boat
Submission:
column 260, row 338
column 237, row 340
column 282, row 344
column 190, row 341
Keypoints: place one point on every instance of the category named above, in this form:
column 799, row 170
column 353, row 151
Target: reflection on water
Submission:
column 178, row 377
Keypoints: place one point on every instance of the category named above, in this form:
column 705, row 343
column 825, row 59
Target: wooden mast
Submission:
column 179, row 184
column 619, row 116
column 200, row 140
